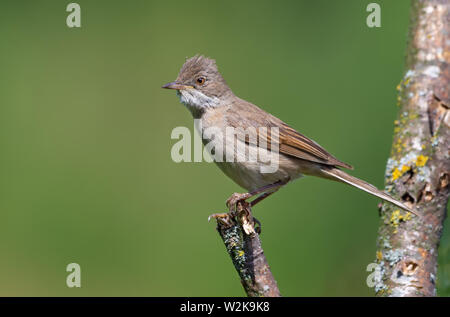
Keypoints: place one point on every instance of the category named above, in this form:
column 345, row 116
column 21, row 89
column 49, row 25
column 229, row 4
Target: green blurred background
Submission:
column 86, row 174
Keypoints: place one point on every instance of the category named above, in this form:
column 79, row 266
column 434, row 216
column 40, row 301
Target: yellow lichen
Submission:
column 421, row 160
column 397, row 217
column 397, row 173
column 399, row 142
column 405, row 168
column 379, row 255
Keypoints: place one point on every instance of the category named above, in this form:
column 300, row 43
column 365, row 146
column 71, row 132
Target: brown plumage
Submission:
column 205, row 93
column 291, row 142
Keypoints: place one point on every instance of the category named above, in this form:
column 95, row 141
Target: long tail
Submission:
column 339, row 175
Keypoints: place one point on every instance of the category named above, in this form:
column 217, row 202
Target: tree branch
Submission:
column 418, row 168
column 244, row 248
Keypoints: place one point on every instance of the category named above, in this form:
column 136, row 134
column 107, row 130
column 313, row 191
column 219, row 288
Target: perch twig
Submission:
column 244, row 248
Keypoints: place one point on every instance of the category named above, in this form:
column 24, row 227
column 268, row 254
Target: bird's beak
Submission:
column 175, row 85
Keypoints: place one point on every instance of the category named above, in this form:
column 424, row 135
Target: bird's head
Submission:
column 199, row 84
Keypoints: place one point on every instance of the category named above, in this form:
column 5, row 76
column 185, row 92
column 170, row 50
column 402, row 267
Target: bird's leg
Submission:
column 232, row 202
column 237, row 197
column 261, row 197
column 257, row 200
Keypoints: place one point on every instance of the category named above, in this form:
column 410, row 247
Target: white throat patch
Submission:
column 195, row 100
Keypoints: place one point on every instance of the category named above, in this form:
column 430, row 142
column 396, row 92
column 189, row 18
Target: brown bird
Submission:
column 202, row 89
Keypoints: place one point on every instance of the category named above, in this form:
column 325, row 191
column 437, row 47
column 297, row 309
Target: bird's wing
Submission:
column 242, row 114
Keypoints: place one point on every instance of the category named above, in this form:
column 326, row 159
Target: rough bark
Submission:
column 244, row 248
column 418, row 168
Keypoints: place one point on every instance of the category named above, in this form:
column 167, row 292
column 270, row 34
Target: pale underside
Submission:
column 297, row 154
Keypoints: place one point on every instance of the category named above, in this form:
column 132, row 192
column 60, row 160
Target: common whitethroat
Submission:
column 202, row 89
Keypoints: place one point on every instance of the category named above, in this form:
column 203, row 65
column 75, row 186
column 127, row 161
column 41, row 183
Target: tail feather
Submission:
column 339, row 175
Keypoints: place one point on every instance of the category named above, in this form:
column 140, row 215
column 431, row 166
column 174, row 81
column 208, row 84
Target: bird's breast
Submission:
column 248, row 165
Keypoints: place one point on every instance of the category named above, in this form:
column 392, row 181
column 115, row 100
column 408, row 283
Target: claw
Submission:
column 234, row 199
column 223, row 218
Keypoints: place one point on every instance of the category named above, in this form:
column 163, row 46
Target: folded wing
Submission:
column 243, row 114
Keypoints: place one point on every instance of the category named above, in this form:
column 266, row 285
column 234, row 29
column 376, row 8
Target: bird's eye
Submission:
column 201, row 80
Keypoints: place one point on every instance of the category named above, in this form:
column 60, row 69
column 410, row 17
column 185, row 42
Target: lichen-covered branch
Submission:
column 418, row 168
column 244, row 248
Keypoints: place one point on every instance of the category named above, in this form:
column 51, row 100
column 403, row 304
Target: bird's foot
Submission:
column 224, row 218
column 234, row 199
column 239, row 211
